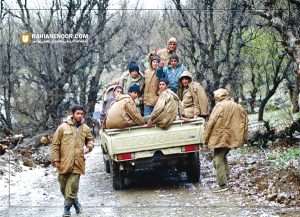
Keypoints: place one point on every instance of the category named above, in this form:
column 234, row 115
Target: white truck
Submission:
column 129, row 149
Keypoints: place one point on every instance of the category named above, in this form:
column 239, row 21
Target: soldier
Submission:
column 166, row 108
column 151, row 86
column 130, row 77
column 133, row 76
column 193, row 97
column 172, row 72
column 123, row 113
column 71, row 141
column 166, row 52
column 117, row 90
column 227, row 128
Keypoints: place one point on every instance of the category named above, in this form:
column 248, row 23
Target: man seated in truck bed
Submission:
column 166, row 108
column 123, row 113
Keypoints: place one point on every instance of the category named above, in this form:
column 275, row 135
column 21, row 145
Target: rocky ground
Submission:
column 261, row 185
column 270, row 175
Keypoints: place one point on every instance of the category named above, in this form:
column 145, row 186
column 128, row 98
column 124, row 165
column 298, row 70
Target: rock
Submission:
column 281, row 197
column 270, row 187
column 42, row 155
column 252, row 192
column 28, row 163
column 45, row 139
column 272, row 197
column 250, row 161
column 264, row 193
column 3, row 149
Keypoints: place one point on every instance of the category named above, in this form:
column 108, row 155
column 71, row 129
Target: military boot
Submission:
column 77, row 206
column 67, row 206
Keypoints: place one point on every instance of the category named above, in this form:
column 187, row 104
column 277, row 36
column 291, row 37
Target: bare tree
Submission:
column 293, row 82
column 105, row 34
column 284, row 16
column 121, row 38
column 273, row 79
column 7, row 69
column 213, row 39
column 53, row 65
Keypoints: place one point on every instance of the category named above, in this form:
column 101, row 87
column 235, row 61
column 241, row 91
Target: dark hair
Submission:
column 77, row 107
column 164, row 80
column 133, row 66
column 174, row 56
column 186, row 77
column 154, row 57
column 134, row 88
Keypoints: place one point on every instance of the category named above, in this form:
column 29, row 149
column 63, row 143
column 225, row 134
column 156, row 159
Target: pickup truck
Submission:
column 139, row 147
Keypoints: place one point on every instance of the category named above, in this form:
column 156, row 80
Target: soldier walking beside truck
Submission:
column 71, row 141
column 226, row 128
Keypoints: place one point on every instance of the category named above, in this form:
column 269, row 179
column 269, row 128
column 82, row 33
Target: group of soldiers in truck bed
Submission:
column 164, row 92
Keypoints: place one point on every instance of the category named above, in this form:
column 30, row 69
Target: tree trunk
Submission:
column 265, row 101
column 83, row 87
column 235, row 90
column 94, row 86
column 261, row 109
column 294, row 95
column 55, row 98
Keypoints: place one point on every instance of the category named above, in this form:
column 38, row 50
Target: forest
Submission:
column 249, row 47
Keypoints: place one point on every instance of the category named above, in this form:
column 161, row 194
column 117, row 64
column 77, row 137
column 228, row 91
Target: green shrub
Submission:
column 271, row 107
column 288, row 155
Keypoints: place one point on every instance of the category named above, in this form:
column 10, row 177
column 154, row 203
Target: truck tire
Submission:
column 193, row 167
column 118, row 176
column 106, row 165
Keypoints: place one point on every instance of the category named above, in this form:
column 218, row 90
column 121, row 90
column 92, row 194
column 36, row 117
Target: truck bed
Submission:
column 140, row 138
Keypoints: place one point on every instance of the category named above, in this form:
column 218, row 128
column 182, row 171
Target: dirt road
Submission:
column 36, row 193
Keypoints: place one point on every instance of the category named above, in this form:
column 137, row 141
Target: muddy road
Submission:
column 36, row 193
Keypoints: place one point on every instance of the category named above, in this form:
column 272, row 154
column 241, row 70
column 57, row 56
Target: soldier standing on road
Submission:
column 71, row 141
column 227, row 128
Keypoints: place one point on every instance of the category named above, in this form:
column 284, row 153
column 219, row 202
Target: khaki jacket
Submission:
column 194, row 99
column 228, row 123
column 127, row 81
column 151, row 87
column 166, row 109
column 68, row 147
column 123, row 113
column 164, row 54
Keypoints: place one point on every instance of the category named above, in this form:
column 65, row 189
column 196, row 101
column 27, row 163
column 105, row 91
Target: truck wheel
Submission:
column 193, row 167
column 118, row 176
column 106, row 165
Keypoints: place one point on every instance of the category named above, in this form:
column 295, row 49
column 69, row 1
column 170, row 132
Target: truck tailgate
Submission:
column 143, row 139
